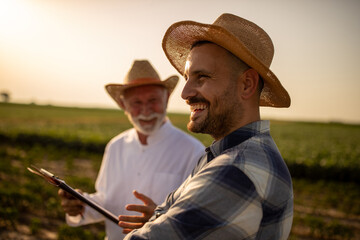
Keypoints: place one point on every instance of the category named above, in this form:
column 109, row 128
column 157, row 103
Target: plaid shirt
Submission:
column 241, row 189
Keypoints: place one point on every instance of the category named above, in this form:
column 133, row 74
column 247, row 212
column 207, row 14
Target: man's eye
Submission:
column 136, row 103
column 202, row 76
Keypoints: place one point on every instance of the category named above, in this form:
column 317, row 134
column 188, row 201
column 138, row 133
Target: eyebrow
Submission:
column 197, row 72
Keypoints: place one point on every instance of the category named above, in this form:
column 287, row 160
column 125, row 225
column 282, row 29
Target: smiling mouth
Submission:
column 148, row 121
column 196, row 109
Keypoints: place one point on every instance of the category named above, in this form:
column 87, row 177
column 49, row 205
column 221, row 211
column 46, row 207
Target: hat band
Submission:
column 144, row 80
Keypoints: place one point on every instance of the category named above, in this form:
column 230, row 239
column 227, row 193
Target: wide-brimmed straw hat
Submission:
column 141, row 73
column 241, row 37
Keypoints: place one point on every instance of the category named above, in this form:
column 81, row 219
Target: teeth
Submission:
column 146, row 119
column 197, row 107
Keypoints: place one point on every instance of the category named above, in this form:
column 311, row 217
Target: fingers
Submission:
column 145, row 199
column 128, row 227
column 135, row 221
column 72, row 207
column 69, row 204
column 126, row 230
column 147, row 209
column 64, row 194
column 128, row 223
column 132, row 219
column 140, row 208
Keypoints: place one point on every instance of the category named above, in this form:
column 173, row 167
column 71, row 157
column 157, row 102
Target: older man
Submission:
column 154, row 157
column 241, row 188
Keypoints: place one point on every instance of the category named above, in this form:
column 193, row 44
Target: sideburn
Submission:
column 221, row 119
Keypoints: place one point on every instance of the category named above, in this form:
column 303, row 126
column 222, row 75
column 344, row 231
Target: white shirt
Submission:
column 155, row 169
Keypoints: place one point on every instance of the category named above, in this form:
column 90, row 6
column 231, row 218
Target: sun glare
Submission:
column 12, row 15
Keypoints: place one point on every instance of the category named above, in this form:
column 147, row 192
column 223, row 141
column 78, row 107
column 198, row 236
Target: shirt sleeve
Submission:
column 90, row 215
column 219, row 202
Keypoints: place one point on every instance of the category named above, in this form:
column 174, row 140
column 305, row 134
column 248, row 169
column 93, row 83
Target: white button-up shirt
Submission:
column 155, row 169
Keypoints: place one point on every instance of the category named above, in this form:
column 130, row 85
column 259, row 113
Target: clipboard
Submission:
column 56, row 181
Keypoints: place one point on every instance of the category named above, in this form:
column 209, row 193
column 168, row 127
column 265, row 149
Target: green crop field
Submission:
column 323, row 159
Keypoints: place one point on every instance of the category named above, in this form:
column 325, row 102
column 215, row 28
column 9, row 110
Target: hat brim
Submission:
column 117, row 90
column 180, row 36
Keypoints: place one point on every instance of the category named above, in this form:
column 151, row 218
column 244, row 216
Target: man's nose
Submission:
column 146, row 109
column 188, row 90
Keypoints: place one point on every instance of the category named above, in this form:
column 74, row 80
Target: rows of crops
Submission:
column 312, row 150
column 70, row 141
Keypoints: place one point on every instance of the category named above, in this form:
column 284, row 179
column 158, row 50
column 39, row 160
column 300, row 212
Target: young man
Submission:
column 154, row 157
column 241, row 188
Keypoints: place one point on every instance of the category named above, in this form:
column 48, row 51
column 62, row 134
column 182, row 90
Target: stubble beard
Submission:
column 220, row 118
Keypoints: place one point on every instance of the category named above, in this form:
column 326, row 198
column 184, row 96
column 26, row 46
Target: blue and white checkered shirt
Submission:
column 241, row 189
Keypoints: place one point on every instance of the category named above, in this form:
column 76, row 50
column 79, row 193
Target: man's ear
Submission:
column 250, row 81
column 167, row 96
column 121, row 103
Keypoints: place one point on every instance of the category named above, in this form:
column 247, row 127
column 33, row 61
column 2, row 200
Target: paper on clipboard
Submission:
column 54, row 180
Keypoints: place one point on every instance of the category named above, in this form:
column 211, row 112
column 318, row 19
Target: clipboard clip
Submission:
column 48, row 176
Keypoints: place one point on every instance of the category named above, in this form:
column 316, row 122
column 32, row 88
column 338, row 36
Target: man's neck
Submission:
column 142, row 138
column 247, row 119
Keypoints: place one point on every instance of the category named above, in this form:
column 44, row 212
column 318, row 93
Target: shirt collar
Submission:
column 237, row 137
column 160, row 134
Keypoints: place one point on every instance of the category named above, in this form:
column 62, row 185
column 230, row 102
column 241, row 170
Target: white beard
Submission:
column 148, row 129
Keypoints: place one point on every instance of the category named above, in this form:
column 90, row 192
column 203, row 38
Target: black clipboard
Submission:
column 54, row 180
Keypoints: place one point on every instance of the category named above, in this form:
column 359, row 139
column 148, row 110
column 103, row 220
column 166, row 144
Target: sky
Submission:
column 63, row 52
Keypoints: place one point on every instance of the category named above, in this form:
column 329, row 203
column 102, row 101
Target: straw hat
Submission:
column 241, row 37
column 141, row 73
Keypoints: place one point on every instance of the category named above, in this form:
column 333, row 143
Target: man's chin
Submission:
column 194, row 127
column 146, row 130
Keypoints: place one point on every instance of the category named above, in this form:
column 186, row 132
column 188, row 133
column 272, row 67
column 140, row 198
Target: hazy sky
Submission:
column 63, row 52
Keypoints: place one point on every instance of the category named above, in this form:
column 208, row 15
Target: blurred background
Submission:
column 56, row 56
column 63, row 52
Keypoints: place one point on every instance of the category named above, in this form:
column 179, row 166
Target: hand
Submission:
column 129, row 223
column 71, row 205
